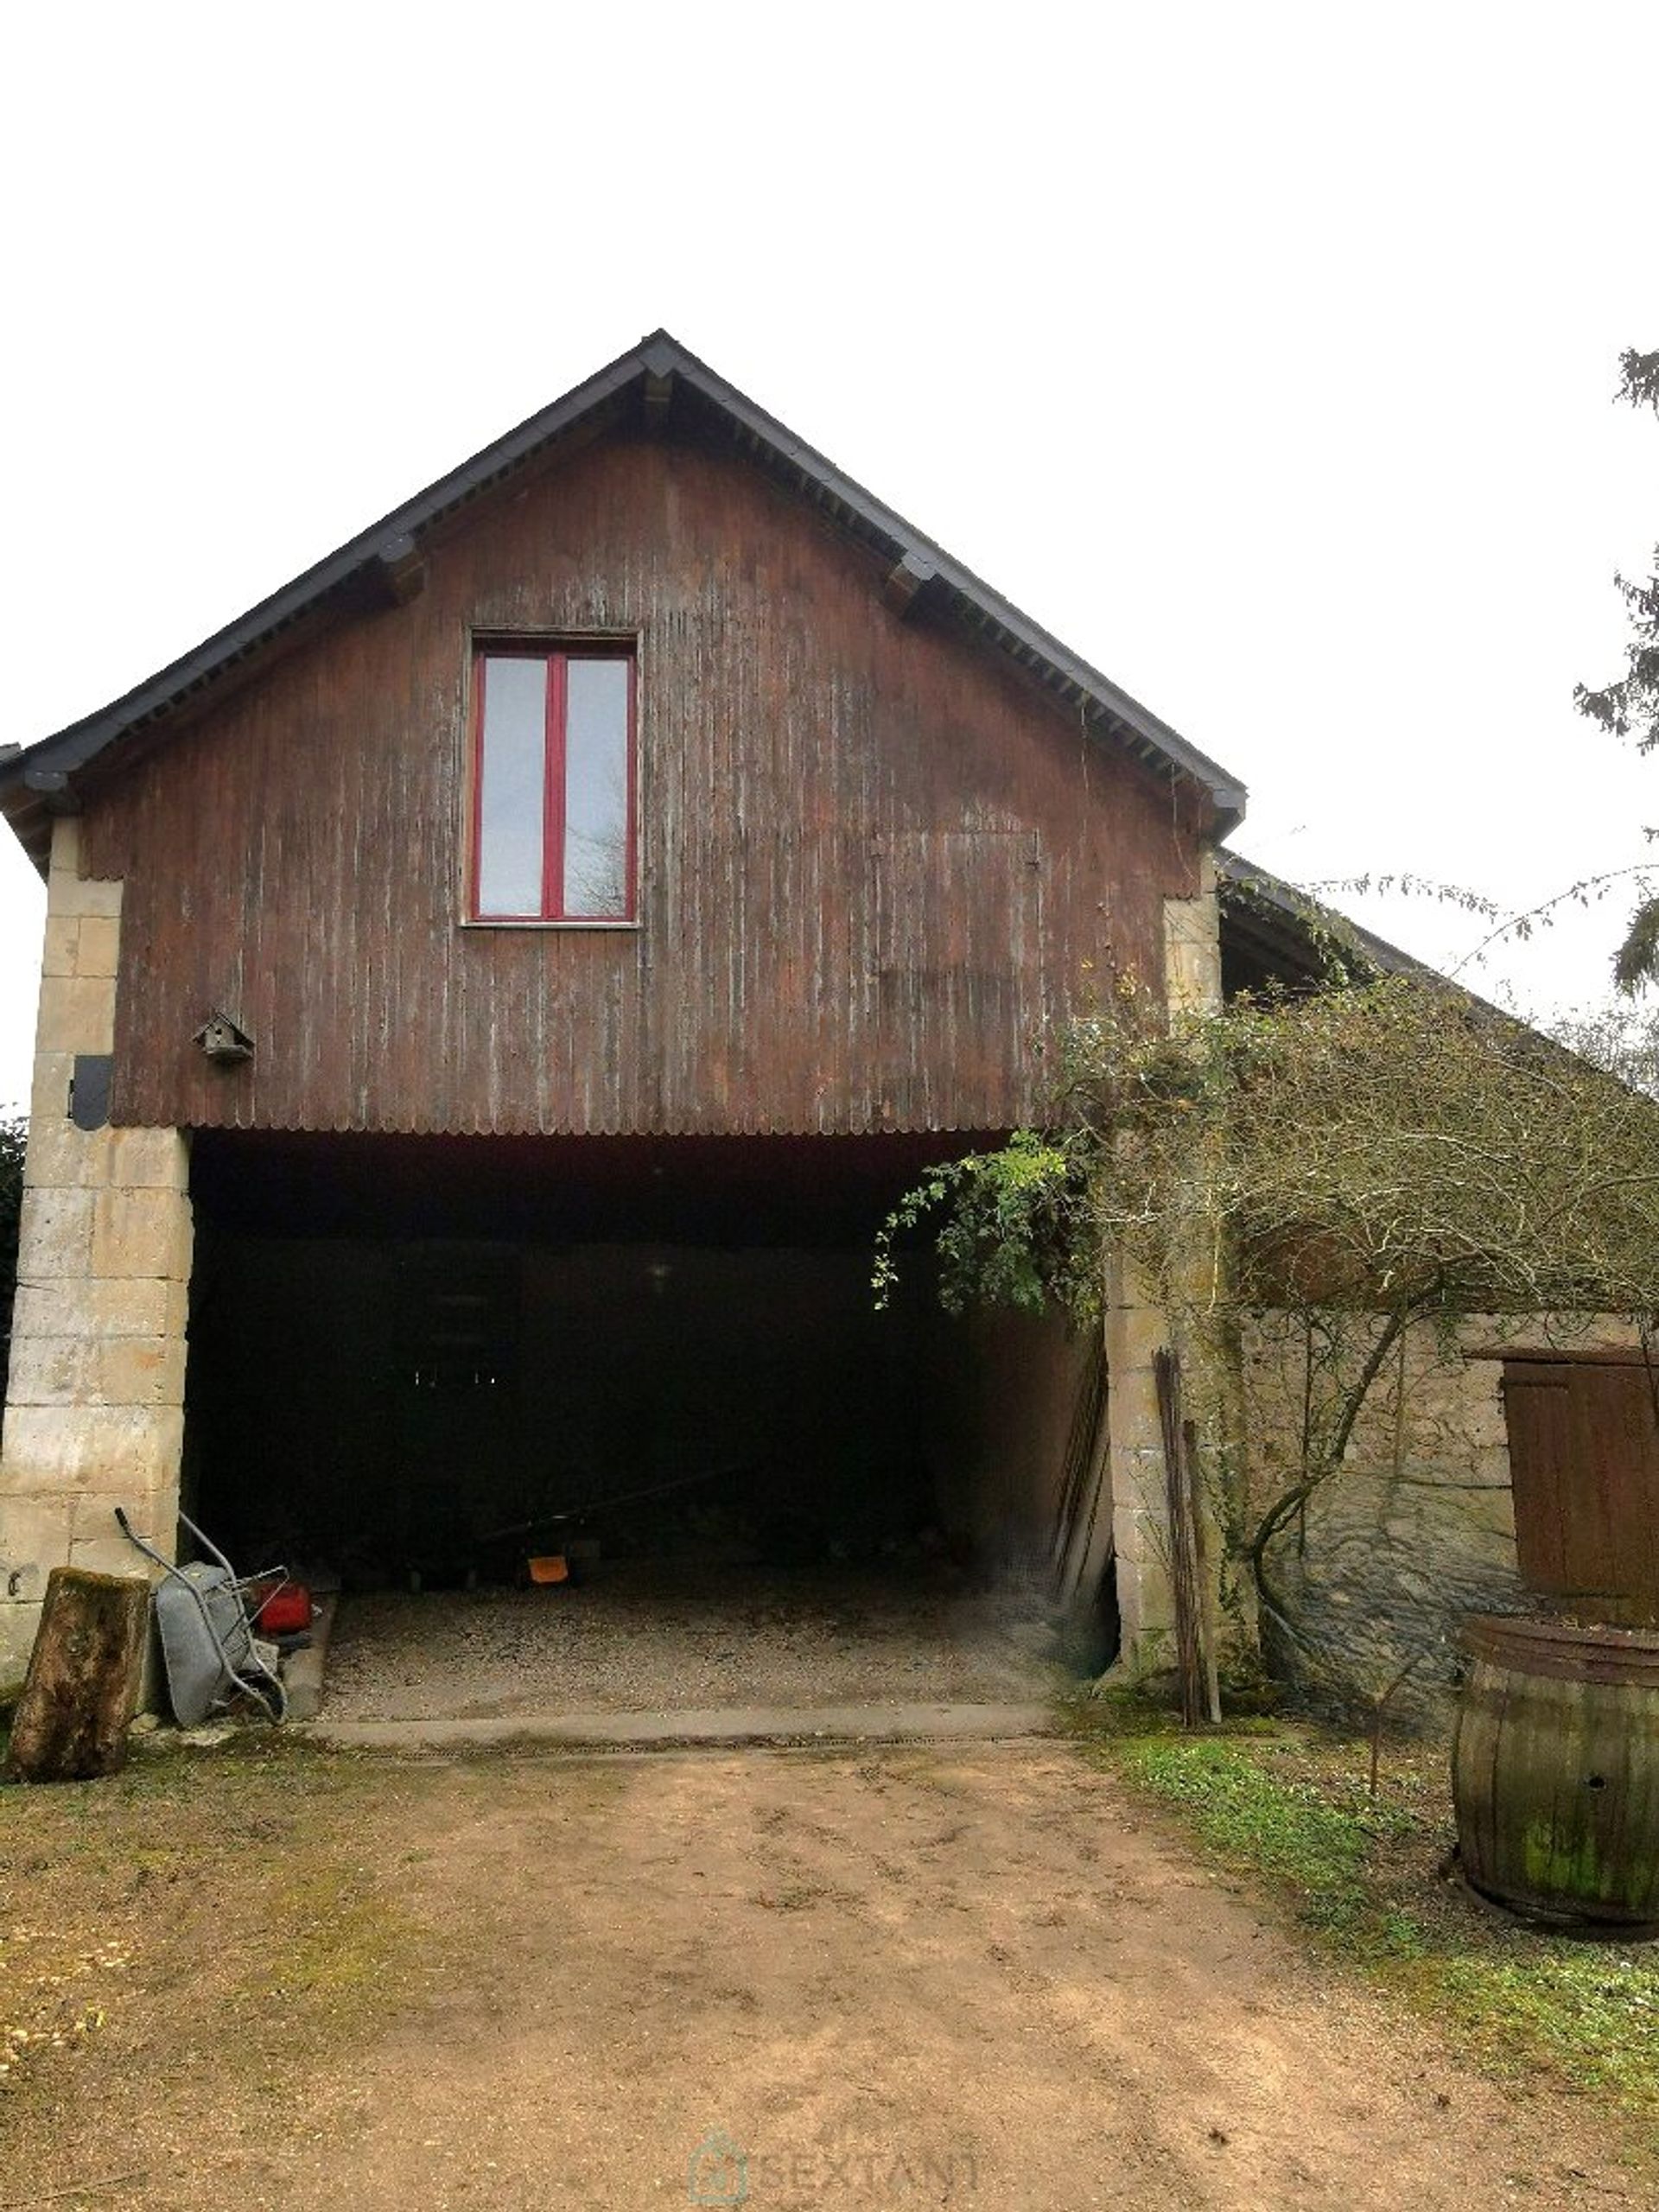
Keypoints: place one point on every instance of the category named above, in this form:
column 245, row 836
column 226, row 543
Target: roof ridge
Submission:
column 36, row 778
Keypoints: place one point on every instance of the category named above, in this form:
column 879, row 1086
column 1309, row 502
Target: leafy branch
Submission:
column 1369, row 1157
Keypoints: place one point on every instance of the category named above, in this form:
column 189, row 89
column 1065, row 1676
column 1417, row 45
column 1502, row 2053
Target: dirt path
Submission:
column 963, row 1979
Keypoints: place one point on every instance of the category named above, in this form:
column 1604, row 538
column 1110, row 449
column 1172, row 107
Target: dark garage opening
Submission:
column 427, row 1361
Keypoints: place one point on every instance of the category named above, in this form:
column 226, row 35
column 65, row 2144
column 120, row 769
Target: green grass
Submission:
column 1365, row 1879
column 1316, row 1850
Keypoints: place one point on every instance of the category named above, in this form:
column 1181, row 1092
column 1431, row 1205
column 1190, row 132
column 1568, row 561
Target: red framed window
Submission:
column 554, row 780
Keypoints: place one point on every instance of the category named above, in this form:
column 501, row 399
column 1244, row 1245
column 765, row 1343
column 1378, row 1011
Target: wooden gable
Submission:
column 874, row 860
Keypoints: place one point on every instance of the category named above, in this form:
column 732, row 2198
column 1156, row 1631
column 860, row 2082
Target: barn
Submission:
column 492, row 991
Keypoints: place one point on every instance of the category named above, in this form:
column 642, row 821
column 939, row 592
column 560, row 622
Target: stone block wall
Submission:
column 1136, row 1330
column 95, row 1396
column 1192, row 948
column 1419, row 1528
column 1136, row 1327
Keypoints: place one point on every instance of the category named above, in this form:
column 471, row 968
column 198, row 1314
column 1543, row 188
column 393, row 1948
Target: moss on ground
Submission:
column 223, row 1883
column 1370, row 1879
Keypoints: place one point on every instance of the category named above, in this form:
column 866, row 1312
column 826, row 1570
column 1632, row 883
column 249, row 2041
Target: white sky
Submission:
column 1264, row 353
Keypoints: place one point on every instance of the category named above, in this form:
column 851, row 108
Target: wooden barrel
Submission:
column 1555, row 1770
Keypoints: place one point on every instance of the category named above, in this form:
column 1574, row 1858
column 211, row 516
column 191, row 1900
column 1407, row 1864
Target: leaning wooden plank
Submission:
column 1184, row 1557
column 1208, row 1628
column 1079, row 1463
column 81, row 1689
column 1086, row 1559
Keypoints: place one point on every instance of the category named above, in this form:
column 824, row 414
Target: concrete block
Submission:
column 35, row 1536
column 1146, row 1603
column 1140, row 1531
column 1192, row 954
column 1135, row 1334
column 1139, row 1481
column 61, row 1156
column 139, row 1371
column 20, row 1619
column 144, row 1232
column 149, row 1160
column 60, row 944
column 66, row 846
column 48, row 1095
column 77, row 1014
column 49, row 1372
column 1135, row 1424
column 1194, row 978
column 137, row 1307
column 54, row 1237
column 81, row 896
column 114, row 1452
column 154, row 1516
column 1135, row 1394
column 98, row 950
column 110, row 1554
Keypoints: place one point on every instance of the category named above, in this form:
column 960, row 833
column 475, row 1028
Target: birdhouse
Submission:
column 224, row 1041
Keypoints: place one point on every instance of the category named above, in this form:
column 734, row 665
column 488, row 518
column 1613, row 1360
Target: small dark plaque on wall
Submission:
column 89, row 1089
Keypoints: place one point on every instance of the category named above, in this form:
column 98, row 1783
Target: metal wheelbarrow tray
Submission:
column 206, row 1638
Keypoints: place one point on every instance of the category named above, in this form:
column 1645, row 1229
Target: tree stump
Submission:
column 81, row 1689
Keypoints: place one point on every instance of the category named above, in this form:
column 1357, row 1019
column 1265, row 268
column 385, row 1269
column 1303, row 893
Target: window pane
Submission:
column 596, row 787
column 513, row 773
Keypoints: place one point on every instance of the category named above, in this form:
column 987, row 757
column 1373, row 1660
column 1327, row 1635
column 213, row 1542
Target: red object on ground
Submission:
column 286, row 1609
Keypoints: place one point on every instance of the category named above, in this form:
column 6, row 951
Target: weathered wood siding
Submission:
column 874, row 860
column 1584, row 1450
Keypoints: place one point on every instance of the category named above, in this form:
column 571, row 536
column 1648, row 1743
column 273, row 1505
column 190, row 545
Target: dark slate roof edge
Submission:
column 1301, row 910
column 74, row 746
column 79, row 742
column 1227, row 792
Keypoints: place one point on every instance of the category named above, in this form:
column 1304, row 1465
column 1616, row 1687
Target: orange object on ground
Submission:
column 553, row 1569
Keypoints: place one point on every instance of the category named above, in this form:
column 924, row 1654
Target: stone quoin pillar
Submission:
column 95, row 1397
column 1136, row 1327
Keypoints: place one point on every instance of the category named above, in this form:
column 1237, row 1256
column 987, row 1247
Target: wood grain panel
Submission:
column 874, row 859
column 1584, row 1453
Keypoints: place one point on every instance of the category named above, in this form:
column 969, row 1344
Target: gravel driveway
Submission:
column 654, row 1639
